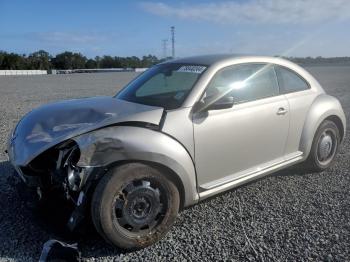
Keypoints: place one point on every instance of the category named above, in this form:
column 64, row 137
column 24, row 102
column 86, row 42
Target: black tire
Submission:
column 134, row 206
column 325, row 146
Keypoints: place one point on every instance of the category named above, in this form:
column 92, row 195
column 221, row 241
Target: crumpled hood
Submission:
column 54, row 123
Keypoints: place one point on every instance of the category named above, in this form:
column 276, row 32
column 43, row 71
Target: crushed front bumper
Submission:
column 45, row 185
column 30, row 181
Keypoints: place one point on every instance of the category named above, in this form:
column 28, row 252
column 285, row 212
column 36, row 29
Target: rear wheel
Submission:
column 324, row 147
column 134, row 205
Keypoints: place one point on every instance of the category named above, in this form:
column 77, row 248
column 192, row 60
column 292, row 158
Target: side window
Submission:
column 289, row 81
column 245, row 82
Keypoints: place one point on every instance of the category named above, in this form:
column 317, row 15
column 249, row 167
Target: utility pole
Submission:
column 172, row 29
column 165, row 48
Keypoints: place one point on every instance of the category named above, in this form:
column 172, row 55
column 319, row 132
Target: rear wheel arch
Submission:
column 323, row 108
column 329, row 132
column 331, row 117
column 336, row 120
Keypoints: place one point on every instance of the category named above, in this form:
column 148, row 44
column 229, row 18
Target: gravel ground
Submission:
column 287, row 216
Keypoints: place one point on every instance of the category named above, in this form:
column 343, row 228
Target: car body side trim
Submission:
column 220, row 187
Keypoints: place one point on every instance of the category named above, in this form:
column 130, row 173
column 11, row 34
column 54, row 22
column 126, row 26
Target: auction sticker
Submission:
column 196, row 69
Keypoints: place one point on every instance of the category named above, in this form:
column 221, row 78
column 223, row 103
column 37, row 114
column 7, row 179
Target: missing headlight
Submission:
column 74, row 173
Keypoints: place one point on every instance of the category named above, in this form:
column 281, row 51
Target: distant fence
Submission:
column 22, row 72
column 99, row 70
column 73, row 71
column 140, row 69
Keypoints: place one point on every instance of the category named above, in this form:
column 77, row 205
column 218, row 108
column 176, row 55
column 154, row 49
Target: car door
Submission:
column 233, row 142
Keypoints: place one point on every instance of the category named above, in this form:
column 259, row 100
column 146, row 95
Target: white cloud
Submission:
column 256, row 11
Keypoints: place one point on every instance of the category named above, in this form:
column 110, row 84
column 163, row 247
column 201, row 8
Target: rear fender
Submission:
column 323, row 107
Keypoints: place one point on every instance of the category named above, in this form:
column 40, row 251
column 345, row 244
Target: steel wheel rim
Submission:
column 140, row 206
column 326, row 146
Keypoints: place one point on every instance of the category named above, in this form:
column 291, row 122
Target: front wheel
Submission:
column 134, row 206
column 324, row 146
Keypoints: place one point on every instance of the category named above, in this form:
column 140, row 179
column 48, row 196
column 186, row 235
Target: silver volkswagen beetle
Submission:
column 182, row 131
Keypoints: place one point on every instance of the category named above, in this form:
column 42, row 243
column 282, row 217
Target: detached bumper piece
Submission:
column 54, row 250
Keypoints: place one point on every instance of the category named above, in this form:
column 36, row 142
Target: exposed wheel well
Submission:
column 170, row 174
column 336, row 120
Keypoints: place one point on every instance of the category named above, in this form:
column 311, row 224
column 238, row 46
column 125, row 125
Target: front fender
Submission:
column 109, row 145
column 323, row 106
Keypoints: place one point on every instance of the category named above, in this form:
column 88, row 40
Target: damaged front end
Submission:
column 43, row 151
column 55, row 172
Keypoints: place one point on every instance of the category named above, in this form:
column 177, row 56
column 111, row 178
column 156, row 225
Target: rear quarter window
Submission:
column 289, row 81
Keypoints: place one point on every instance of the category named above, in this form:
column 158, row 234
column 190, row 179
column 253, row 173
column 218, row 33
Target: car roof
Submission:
column 209, row 60
column 202, row 59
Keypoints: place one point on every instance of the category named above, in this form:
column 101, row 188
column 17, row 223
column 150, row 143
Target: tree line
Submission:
column 319, row 60
column 42, row 60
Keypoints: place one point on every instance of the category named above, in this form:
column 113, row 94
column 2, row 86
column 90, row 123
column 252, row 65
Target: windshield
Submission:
column 164, row 85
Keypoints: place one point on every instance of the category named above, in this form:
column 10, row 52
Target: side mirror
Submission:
column 223, row 103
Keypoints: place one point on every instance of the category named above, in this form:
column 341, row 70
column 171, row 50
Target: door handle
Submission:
column 282, row 111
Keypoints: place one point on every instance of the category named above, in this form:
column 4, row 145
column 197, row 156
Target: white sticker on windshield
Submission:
column 192, row 69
